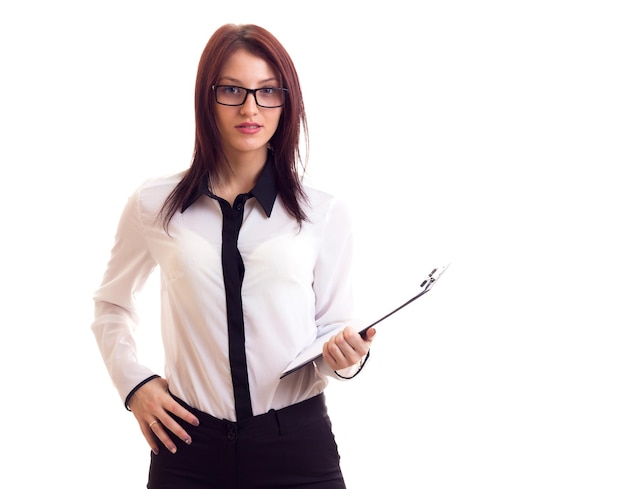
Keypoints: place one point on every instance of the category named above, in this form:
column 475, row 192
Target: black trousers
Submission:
column 288, row 448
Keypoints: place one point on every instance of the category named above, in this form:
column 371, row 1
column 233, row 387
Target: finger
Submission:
column 333, row 350
column 173, row 412
column 179, row 411
column 369, row 334
column 148, row 434
column 352, row 346
column 342, row 354
column 358, row 343
column 332, row 354
column 158, row 429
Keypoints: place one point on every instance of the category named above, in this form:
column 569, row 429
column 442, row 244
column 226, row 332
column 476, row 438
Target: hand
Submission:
column 152, row 405
column 347, row 347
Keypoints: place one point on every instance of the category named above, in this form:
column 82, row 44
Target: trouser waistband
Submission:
column 284, row 420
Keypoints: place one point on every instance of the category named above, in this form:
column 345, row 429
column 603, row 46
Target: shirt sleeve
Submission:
column 128, row 269
column 332, row 280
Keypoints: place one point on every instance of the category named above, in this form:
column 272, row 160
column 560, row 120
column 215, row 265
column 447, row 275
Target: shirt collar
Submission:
column 265, row 189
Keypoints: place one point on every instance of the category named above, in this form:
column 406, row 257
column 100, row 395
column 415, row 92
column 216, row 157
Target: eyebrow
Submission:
column 235, row 80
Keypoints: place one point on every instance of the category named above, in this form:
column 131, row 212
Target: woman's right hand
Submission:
column 152, row 405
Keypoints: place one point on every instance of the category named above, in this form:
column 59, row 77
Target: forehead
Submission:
column 245, row 67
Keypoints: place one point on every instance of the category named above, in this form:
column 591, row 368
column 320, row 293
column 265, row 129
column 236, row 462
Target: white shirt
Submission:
column 296, row 286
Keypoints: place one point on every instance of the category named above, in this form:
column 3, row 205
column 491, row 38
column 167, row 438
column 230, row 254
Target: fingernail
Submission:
column 173, row 450
column 188, row 441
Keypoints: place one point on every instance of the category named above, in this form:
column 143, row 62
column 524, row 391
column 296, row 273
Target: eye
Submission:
column 230, row 90
column 267, row 91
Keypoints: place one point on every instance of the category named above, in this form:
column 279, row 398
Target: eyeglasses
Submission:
column 268, row 97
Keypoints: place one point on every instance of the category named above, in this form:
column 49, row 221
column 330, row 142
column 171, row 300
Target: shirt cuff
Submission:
column 136, row 388
column 360, row 367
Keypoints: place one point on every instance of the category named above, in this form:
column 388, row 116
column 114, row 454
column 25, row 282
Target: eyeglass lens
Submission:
column 233, row 95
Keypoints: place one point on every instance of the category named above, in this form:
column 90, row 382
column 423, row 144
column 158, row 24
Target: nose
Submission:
column 249, row 105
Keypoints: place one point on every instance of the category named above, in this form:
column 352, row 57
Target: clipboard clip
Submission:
column 432, row 277
column 426, row 284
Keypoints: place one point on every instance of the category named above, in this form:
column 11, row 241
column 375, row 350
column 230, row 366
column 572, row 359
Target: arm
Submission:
column 346, row 352
column 116, row 319
column 143, row 392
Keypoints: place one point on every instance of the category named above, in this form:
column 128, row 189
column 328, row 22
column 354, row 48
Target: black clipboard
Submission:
column 314, row 351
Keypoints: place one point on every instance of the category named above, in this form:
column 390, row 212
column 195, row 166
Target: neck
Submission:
column 240, row 176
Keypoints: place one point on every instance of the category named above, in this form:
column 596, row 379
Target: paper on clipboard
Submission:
column 314, row 351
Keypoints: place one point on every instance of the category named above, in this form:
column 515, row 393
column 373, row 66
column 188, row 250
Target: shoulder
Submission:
column 319, row 200
column 323, row 205
column 150, row 195
column 160, row 185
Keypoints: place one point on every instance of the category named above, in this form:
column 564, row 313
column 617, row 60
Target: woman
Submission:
column 254, row 266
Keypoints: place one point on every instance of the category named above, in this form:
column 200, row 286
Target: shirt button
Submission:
column 238, row 207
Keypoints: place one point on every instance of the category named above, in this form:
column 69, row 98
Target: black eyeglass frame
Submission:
column 249, row 91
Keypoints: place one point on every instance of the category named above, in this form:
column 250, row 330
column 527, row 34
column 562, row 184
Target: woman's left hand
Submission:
column 347, row 347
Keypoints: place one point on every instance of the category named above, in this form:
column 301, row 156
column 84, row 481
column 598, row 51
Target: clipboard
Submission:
column 314, row 351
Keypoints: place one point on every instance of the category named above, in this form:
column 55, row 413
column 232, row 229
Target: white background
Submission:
column 487, row 133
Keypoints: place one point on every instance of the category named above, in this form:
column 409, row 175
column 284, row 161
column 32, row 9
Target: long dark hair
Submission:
column 208, row 156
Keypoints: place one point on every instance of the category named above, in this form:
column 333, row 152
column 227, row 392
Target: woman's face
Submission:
column 246, row 129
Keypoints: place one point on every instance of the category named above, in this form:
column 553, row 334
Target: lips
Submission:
column 248, row 128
